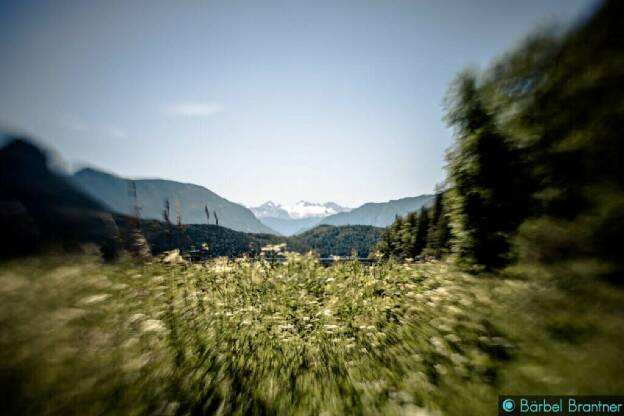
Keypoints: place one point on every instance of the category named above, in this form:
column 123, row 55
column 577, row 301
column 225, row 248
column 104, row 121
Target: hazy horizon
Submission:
column 280, row 101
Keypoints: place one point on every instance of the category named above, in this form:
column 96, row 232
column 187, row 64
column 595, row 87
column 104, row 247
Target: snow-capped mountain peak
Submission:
column 301, row 209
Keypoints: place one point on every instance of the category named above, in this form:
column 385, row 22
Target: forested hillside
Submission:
column 328, row 240
column 205, row 240
column 208, row 241
column 420, row 233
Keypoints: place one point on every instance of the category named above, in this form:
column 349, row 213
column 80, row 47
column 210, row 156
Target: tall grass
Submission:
column 250, row 337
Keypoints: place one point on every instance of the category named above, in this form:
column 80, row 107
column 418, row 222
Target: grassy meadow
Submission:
column 80, row 337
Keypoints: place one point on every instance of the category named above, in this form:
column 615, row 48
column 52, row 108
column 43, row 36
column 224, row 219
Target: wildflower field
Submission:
column 79, row 337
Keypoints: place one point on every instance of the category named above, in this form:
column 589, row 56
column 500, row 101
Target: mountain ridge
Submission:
column 112, row 190
column 292, row 219
column 41, row 208
column 300, row 210
column 379, row 214
column 290, row 226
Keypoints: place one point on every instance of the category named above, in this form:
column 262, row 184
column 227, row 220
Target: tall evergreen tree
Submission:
column 442, row 235
column 436, row 212
column 483, row 205
column 408, row 235
column 385, row 244
column 420, row 238
column 396, row 248
column 439, row 232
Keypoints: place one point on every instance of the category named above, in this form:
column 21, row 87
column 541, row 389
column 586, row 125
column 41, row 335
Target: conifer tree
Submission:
column 408, row 235
column 436, row 211
column 395, row 232
column 420, row 239
column 442, row 235
column 439, row 232
column 483, row 209
column 385, row 243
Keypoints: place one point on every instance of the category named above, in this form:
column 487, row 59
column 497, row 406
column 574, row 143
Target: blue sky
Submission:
column 256, row 100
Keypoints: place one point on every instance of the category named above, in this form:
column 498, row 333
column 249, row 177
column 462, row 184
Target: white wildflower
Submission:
column 153, row 325
column 136, row 317
column 89, row 300
column 68, row 314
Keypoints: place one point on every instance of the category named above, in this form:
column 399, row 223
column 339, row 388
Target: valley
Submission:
column 436, row 241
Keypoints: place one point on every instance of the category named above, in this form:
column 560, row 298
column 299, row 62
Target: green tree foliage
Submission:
column 535, row 171
column 407, row 236
column 577, row 117
column 325, row 240
column 439, row 232
column 417, row 234
column 384, row 246
column 534, row 174
column 420, row 240
column 484, row 206
column 396, row 243
column 328, row 240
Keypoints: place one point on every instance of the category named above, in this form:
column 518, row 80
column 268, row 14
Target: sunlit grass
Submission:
column 251, row 337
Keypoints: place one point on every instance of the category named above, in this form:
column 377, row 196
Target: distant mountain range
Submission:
column 300, row 210
column 41, row 208
column 112, row 191
column 291, row 220
column 379, row 214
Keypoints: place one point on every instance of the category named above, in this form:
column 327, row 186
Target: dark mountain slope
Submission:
column 40, row 208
